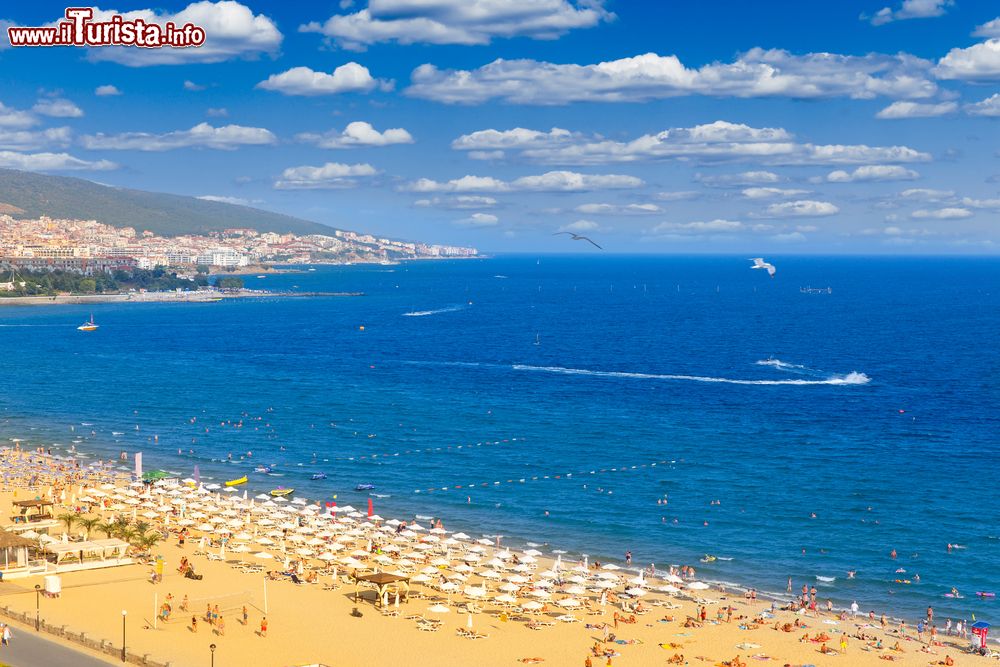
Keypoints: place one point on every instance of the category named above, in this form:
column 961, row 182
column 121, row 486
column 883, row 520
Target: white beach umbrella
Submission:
column 697, row 586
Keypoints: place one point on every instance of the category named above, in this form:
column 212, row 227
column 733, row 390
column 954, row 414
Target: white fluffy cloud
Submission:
column 232, row 31
column 927, row 194
column 697, row 227
column 57, row 108
column 677, row 195
column 458, row 203
column 981, row 203
column 238, row 201
column 618, row 209
column 330, row 176
column 988, row 29
column 10, row 117
column 358, row 133
column 877, row 172
column 348, row 78
column 903, row 109
column 988, row 107
column 950, row 213
column 910, row 9
column 107, row 90
column 771, row 193
column 51, row 162
column 736, row 180
column 22, row 140
column 227, row 137
column 756, row 73
column 579, row 226
column 979, row 62
column 552, row 181
column 716, row 141
column 493, row 143
column 802, row 208
column 457, row 21
column 479, row 220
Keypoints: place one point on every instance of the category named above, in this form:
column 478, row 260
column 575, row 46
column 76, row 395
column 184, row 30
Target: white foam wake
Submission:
column 425, row 313
column 778, row 363
column 851, row 378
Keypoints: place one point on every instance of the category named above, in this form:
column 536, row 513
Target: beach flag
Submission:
column 371, row 507
column 138, row 465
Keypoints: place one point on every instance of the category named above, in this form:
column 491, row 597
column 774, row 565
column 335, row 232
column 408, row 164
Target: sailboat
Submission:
column 89, row 325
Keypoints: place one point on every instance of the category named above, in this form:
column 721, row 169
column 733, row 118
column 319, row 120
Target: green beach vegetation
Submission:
column 51, row 283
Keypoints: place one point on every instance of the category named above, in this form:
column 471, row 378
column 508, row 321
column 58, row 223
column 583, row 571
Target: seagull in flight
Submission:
column 759, row 263
column 577, row 237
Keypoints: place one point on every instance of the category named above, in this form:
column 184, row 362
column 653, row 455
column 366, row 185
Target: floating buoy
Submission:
column 361, row 328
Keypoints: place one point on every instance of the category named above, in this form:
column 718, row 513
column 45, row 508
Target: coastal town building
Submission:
column 87, row 246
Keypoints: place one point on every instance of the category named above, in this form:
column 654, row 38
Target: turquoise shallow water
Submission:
column 881, row 395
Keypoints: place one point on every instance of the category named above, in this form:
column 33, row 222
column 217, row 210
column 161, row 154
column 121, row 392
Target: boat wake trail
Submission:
column 849, row 379
column 780, row 365
column 425, row 313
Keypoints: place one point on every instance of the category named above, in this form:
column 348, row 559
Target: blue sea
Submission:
column 589, row 404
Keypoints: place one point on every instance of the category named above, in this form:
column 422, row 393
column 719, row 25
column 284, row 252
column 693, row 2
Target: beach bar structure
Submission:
column 15, row 551
column 381, row 582
column 32, row 510
column 88, row 555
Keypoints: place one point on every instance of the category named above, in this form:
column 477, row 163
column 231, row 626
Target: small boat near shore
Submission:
column 319, row 475
column 365, row 487
column 237, row 481
column 263, row 469
column 281, row 492
column 89, row 325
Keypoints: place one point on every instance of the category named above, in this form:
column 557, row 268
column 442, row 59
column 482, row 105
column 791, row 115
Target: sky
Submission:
column 857, row 126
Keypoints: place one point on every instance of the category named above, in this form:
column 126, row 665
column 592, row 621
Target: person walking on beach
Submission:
column 854, row 609
column 220, row 626
column 263, row 626
column 194, row 623
column 789, row 589
column 947, row 627
column 930, row 614
column 843, row 642
column 5, row 635
column 246, row 617
column 628, row 557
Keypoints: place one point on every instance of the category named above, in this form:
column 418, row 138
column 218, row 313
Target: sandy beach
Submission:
column 157, row 297
column 470, row 603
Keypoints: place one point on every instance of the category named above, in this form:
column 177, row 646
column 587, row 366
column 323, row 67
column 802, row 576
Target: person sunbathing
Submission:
column 675, row 659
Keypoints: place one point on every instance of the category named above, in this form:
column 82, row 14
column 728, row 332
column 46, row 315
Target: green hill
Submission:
column 29, row 195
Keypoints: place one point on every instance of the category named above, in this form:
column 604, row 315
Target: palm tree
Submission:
column 128, row 534
column 149, row 540
column 107, row 528
column 68, row 519
column 88, row 524
column 141, row 527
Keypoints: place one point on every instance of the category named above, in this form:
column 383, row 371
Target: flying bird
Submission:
column 577, row 237
column 759, row 263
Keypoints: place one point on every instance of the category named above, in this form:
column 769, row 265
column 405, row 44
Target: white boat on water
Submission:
column 89, row 325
